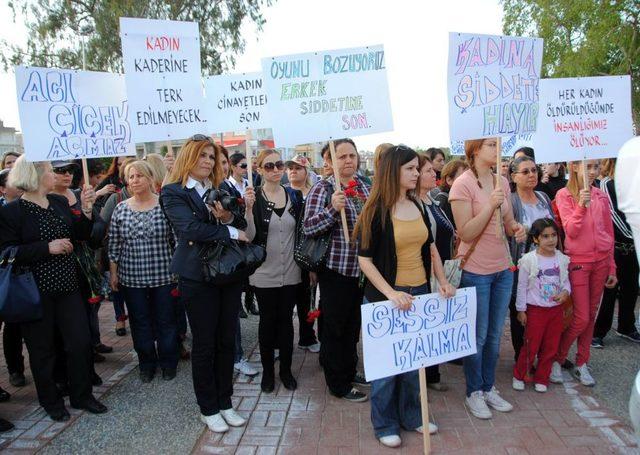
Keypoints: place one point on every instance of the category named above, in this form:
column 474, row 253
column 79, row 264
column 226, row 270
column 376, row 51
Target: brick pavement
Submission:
column 34, row 429
column 565, row 420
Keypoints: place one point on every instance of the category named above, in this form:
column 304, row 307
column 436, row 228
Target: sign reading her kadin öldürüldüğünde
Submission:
column 434, row 330
column 326, row 95
column 68, row 114
column 583, row 118
column 492, row 85
column 236, row 102
column 162, row 70
column 509, row 144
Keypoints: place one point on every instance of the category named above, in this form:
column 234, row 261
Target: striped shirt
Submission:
column 621, row 228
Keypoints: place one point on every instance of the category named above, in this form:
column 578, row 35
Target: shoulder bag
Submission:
column 230, row 261
column 19, row 295
column 310, row 253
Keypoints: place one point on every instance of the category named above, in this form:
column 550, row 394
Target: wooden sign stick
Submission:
column 498, row 184
column 336, row 175
column 585, row 177
column 424, row 406
column 248, row 155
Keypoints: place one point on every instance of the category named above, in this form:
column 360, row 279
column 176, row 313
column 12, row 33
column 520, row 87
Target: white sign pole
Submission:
column 85, row 166
column 336, row 175
column 248, row 154
column 498, row 185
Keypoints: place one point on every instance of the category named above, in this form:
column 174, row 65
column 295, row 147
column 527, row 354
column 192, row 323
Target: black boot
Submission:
column 250, row 302
column 267, row 384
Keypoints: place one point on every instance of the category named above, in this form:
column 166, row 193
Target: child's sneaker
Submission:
column 517, row 384
column 583, row 375
column 556, row 373
column 540, row 388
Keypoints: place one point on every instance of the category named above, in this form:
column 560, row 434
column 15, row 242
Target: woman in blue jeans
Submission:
column 396, row 252
column 476, row 196
column 140, row 249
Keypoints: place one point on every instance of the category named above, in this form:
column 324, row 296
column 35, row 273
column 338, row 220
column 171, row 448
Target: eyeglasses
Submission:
column 63, row 170
column 243, row 165
column 532, row 170
column 272, row 166
column 201, row 137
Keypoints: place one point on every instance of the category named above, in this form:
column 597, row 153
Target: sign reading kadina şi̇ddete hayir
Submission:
column 67, row 114
column 162, row 71
column 326, row 95
column 492, row 85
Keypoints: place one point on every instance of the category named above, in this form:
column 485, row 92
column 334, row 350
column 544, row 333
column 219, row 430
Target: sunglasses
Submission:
column 243, row 165
column 532, row 170
column 201, row 137
column 271, row 166
column 64, row 170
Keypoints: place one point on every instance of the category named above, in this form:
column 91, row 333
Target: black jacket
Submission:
column 382, row 251
column 194, row 227
column 262, row 210
column 19, row 228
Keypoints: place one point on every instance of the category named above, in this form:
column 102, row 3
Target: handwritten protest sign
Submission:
column 583, row 118
column 510, row 144
column 492, row 85
column 162, row 70
column 236, row 102
column 433, row 331
column 67, row 114
column 327, row 95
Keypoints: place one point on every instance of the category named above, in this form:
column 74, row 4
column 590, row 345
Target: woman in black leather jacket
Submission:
column 212, row 310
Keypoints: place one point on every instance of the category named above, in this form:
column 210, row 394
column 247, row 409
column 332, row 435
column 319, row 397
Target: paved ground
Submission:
column 162, row 417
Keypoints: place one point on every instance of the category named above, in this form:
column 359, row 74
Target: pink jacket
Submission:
column 588, row 230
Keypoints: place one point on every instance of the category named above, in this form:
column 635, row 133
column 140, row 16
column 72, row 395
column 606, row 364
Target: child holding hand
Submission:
column 543, row 285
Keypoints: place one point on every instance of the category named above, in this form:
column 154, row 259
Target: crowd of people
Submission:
column 537, row 242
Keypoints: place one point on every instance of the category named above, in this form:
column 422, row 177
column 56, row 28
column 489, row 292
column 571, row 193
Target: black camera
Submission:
column 227, row 201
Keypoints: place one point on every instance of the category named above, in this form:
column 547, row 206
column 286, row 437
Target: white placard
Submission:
column 492, row 85
column 433, row 331
column 326, row 95
column 583, row 118
column 162, row 70
column 68, row 114
column 509, row 144
column 236, row 102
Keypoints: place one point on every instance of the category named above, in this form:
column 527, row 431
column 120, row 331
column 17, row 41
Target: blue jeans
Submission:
column 152, row 319
column 395, row 401
column 493, row 292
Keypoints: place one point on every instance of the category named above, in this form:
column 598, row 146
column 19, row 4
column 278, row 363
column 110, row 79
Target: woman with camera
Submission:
column 212, row 310
column 43, row 228
column 272, row 225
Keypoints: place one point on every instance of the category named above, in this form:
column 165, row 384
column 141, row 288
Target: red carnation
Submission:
column 352, row 184
column 75, row 212
column 313, row 315
column 95, row 299
column 513, row 268
column 175, row 292
column 350, row 192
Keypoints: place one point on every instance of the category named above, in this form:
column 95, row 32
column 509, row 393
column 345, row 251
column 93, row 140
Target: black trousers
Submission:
column 66, row 314
column 275, row 330
column 340, row 297
column 12, row 345
column 306, row 335
column 516, row 328
column 626, row 293
column 212, row 312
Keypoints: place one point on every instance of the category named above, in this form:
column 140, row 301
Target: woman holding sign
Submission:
column 475, row 196
column 589, row 243
column 396, row 255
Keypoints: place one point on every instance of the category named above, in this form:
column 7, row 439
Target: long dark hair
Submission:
column 385, row 191
column 537, row 227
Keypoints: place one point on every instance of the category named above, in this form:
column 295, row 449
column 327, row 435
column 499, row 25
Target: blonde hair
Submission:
column 380, row 149
column 264, row 154
column 575, row 182
column 154, row 160
column 608, row 167
column 123, row 167
column 26, row 175
column 145, row 169
column 188, row 158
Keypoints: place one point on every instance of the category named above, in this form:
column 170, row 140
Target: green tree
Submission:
column 55, row 29
column 582, row 37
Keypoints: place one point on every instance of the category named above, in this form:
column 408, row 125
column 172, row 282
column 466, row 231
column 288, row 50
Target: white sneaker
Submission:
column 215, row 423
column 233, row 418
column 245, row 368
column 498, row 403
column 556, row 373
column 517, row 384
column 477, row 405
column 540, row 388
column 315, row 348
column 433, row 428
column 583, row 375
column 391, row 440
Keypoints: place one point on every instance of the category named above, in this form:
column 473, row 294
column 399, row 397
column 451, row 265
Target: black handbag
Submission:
column 19, row 295
column 230, row 261
column 310, row 253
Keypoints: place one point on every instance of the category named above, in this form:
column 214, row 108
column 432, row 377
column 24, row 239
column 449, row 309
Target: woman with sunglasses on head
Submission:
column 528, row 205
column 212, row 310
column 589, row 243
column 396, row 254
column 272, row 225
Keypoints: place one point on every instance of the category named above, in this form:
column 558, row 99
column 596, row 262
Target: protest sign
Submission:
column 434, row 330
column 236, row 102
column 583, row 118
column 492, row 85
column 162, row 71
column 327, row 95
column 68, row 114
column 509, row 144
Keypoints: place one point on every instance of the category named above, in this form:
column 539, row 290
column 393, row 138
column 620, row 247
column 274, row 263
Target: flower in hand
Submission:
column 562, row 297
column 312, row 315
